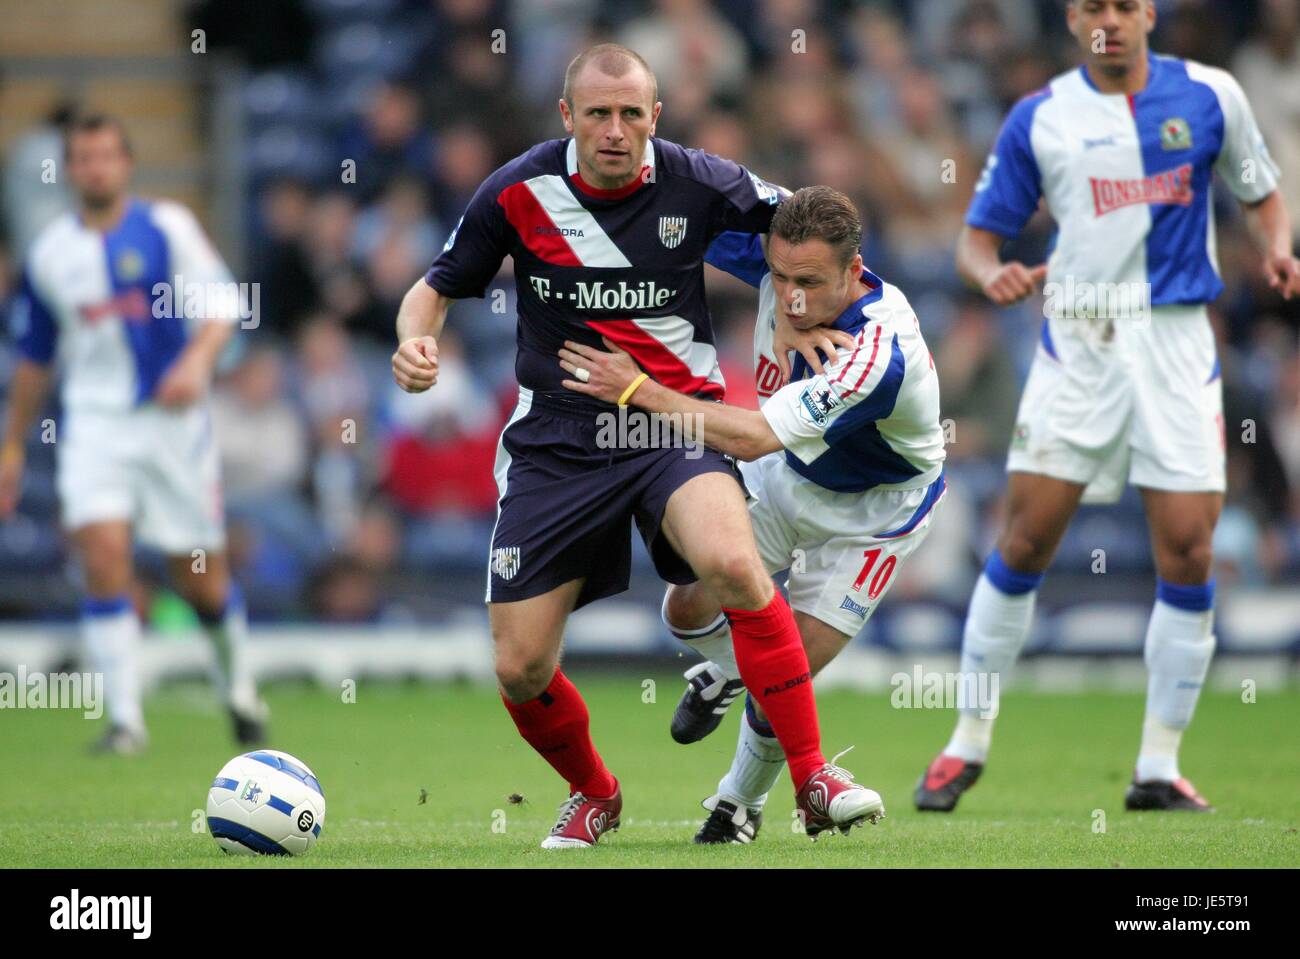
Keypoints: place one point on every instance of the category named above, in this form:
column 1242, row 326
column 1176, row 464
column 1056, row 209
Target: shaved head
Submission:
column 611, row 59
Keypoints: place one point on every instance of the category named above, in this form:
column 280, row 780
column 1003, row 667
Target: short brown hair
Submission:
column 820, row 213
column 613, row 60
column 93, row 123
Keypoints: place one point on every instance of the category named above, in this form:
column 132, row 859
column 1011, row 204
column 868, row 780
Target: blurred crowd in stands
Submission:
column 347, row 497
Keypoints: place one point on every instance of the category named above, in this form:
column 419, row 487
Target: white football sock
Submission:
column 111, row 632
column 1179, row 646
column 231, row 675
column 997, row 625
column 713, row 641
column 755, row 769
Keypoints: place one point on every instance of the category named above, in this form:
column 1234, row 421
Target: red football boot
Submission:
column 584, row 820
column 830, row 799
column 942, row 784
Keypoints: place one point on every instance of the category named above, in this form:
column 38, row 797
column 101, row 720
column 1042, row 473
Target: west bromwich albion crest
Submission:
column 672, row 230
column 505, row 561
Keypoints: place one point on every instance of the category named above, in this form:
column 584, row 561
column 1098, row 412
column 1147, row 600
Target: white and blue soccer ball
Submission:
column 266, row 802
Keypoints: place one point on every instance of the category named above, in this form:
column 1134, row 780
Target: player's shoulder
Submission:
column 168, row 215
column 547, row 157
column 1193, row 72
column 52, row 241
column 1024, row 110
column 708, row 169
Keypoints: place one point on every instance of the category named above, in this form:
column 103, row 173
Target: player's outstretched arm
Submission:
column 27, row 393
column 738, row 432
column 1271, row 225
column 981, row 267
column 419, row 324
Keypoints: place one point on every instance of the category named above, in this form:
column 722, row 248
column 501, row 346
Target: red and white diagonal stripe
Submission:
column 666, row 348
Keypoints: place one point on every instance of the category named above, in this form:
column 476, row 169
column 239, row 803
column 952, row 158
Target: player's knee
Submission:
column 738, row 580
column 522, row 677
column 688, row 607
column 1187, row 557
column 1026, row 551
column 107, row 570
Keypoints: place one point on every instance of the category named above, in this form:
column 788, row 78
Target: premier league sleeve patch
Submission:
column 819, row 402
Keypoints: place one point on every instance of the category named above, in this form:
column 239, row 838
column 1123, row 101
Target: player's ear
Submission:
column 654, row 116
column 566, row 116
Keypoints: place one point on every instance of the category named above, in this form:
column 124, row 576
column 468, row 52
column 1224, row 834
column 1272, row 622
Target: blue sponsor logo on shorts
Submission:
column 854, row 607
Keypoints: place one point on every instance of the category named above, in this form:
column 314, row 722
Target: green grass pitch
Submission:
column 1057, row 760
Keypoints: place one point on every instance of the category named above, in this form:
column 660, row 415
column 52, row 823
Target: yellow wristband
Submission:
column 627, row 393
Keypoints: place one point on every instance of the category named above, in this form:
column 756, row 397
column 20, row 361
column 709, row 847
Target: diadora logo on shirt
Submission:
column 645, row 295
column 558, row 231
column 1099, row 142
column 1171, row 187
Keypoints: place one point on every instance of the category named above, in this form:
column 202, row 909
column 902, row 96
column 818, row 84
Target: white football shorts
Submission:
column 843, row 550
column 1137, row 400
column 154, row 467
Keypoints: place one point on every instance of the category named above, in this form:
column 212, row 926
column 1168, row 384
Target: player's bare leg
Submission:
column 1179, row 643
column 550, row 714
column 111, row 630
column 707, row 522
column 1038, row 511
column 203, row 579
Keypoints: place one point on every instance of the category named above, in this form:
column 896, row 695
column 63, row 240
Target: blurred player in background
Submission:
column 1125, row 383
column 608, row 230
column 104, row 293
column 845, row 467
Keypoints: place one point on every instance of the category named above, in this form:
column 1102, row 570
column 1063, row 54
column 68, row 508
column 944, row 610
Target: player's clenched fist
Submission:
column 415, row 364
column 1012, row 282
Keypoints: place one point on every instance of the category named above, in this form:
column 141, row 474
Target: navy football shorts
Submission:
column 568, row 498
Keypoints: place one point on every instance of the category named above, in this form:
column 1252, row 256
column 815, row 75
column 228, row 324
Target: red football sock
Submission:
column 556, row 724
column 774, row 667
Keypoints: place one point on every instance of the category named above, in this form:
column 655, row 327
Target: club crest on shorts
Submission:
column 672, row 230
column 505, row 561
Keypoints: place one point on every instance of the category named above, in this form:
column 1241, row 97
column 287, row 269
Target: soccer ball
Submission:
column 266, row 802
